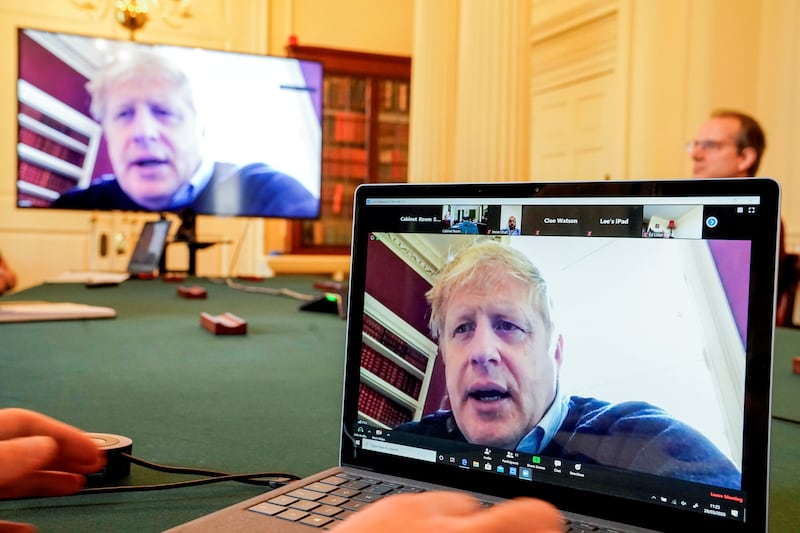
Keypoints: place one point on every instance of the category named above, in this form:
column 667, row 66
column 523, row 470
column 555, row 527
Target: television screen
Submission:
column 122, row 125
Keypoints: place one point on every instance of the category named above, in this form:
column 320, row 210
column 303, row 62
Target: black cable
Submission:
column 203, row 472
column 243, row 478
column 263, row 290
column 268, row 479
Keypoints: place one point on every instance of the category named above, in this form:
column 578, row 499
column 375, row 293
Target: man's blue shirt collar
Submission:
column 541, row 435
column 188, row 192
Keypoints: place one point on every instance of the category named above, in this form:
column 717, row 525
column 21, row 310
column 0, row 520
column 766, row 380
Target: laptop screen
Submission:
column 606, row 339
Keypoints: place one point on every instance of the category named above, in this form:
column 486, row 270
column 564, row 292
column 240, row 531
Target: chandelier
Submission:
column 134, row 14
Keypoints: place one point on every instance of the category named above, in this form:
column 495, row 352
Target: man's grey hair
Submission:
column 142, row 67
column 474, row 264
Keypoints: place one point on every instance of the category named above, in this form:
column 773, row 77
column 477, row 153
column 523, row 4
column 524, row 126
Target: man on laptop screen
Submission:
column 491, row 312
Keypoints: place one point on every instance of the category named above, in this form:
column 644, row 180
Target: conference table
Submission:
column 266, row 401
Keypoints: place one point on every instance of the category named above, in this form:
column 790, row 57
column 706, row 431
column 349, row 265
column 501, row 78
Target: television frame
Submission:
column 60, row 146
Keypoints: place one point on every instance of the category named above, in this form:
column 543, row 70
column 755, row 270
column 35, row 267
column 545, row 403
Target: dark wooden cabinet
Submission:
column 366, row 105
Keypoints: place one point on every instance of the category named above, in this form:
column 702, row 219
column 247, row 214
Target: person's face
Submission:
column 714, row 153
column 153, row 139
column 512, row 223
column 501, row 375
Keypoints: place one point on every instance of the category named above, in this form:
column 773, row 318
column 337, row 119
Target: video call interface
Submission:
column 644, row 296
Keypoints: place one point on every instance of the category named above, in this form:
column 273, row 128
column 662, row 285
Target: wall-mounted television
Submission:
column 120, row 125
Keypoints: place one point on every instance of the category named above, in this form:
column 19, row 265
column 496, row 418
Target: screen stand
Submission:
column 187, row 233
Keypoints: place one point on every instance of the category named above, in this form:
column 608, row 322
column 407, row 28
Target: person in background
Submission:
column 512, row 226
column 41, row 456
column 730, row 144
column 8, row 278
column 468, row 227
column 154, row 135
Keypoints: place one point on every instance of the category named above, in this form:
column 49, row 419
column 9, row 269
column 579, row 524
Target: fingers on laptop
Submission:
column 521, row 514
column 446, row 512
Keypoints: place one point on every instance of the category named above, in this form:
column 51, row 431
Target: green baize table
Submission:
column 265, row 401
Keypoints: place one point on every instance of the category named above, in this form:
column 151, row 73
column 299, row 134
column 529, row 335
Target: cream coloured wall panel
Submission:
column 491, row 132
column 379, row 27
column 575, row 116
column 550, row 17
column 550, row 155
column 659, row 48
column 434, row 82
column 732, row 59
column 569, row 140
column 778, row 104
column 586, row 50
column 54, row 254
column 591, row 152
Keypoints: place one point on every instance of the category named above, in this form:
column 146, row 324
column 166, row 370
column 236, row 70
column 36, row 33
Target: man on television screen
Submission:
column 492, row 315
column 154, row 136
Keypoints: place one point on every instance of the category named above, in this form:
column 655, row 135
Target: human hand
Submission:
column 40, row 456
column 452, row 512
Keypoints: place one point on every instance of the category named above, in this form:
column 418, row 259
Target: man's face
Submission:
column 714, row 152
column 153, row 140
column 512, row 223
column 501, row 376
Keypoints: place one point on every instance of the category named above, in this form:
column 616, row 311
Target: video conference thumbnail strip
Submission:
column 684, row 221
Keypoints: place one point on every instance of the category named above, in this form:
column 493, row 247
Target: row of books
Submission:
column 392, row 173
column 344, row 92
column 373, row 328
column 393, row 165
column 390, row 372
column 349, row 127
column 375, row 405
column 345, row 169
column 51, row 122
column 344, row 153
column 44, row 178
column 393, row 157
column 28, row 200
column 395, row 343
column 395, row 96
column 51, row 147
column 350, row 92
column 328, row 233
column 346, row 127
column 392, row 134
column 337, row 198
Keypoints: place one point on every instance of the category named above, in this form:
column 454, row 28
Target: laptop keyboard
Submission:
column 323, row 503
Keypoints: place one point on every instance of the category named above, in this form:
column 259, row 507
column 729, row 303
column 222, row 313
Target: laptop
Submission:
column 663, row 299
column 146, row 256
